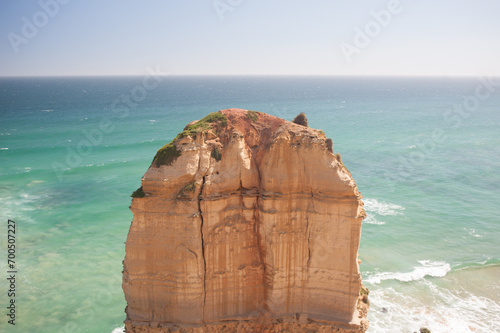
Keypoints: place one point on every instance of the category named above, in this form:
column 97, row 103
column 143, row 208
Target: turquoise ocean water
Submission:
column 425, row 153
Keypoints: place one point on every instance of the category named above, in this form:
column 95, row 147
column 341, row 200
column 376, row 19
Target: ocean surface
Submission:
column 425, row 153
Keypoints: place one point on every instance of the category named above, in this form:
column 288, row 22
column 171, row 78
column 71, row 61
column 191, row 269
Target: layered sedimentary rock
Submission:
column 245, row 223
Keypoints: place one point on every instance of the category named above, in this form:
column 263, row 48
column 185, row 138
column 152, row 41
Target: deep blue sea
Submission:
column 425, row 153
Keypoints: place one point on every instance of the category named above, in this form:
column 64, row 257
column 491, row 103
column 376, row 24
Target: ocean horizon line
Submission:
column 403, row 76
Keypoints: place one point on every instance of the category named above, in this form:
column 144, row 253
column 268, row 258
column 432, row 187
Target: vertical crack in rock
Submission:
column 257, row 222
column 308, row 230
column 259, row 240
column 200, row 213
column 308, row 235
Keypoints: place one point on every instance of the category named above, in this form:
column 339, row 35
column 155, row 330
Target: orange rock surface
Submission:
column 254, row 227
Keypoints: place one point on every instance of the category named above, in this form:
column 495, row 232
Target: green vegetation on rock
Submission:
column 301, row 119
column 139, row 193
column 203, row 125
column 189, row 188
column 253, row 115
column 166, row 155
column 216, row 154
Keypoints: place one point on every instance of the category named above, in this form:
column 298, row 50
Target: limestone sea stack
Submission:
column 245, row 222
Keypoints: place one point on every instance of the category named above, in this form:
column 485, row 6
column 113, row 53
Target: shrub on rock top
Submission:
column 301, row 119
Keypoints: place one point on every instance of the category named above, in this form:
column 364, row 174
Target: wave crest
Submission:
column 427, row 268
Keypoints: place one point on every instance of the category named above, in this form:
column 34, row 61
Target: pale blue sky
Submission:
column 284, row 37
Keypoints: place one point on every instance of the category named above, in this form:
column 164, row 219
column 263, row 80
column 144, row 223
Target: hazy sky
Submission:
column 319, row 37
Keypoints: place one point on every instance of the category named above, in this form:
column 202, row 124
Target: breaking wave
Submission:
column 370, row 219
column 374, row 207
column 447, row 311
column 427, row 268
column 382, row 208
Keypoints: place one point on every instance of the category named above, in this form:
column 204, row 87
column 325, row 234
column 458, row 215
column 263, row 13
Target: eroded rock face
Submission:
column 255, row 226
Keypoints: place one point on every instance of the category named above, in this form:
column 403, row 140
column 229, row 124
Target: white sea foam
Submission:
column 370, row 219
column 438, row 309
column 19, row 205
column 427, row 268
column 382, row 208
column 4, row 148
column 119, row 330
column 374, row 207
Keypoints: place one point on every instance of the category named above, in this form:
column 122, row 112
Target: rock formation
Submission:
column 245, row 222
